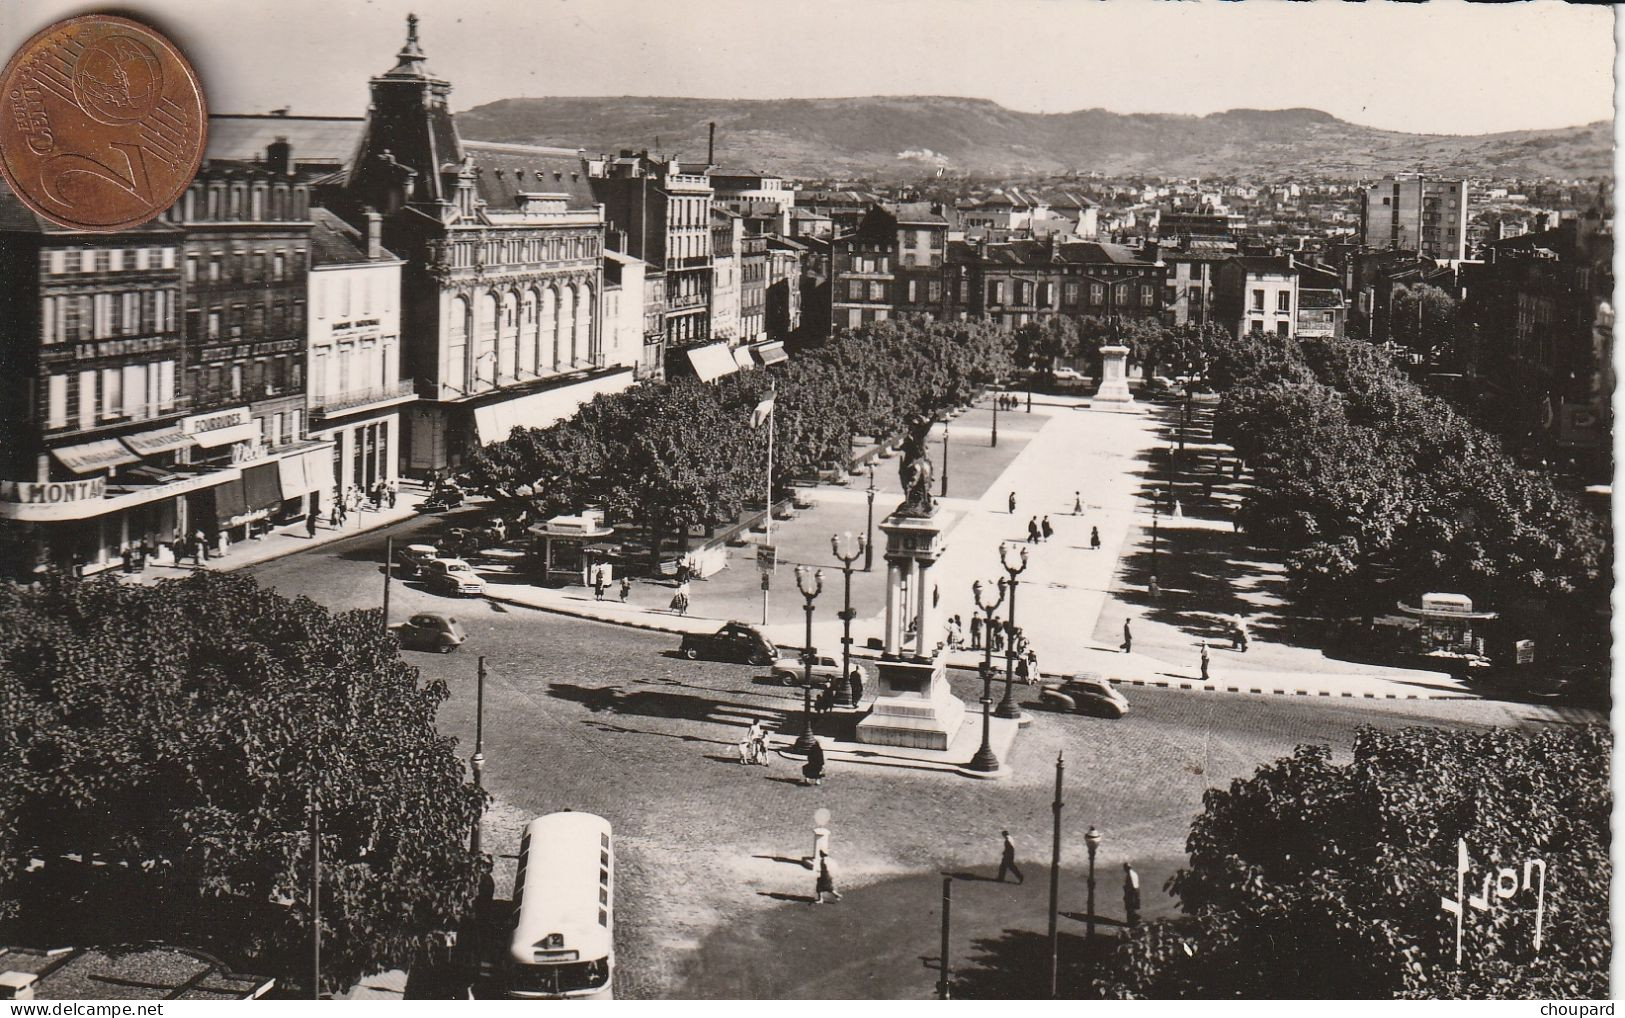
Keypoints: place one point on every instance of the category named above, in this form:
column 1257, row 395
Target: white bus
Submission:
column 564, row 894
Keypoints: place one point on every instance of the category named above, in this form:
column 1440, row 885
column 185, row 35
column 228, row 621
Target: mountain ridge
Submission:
column 904, row 136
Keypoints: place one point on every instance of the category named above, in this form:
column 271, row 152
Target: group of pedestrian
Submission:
column 956, row 632
column 679, row 598
column 1008, row 401
column 1131, row 880
column 382, row 494
column 1039, row 530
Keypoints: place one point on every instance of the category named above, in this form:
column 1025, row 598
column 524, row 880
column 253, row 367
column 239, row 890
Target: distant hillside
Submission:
column 905, row 135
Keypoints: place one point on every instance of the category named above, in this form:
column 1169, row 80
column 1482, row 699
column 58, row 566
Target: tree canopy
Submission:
column 1324, row 880
column 160, row 749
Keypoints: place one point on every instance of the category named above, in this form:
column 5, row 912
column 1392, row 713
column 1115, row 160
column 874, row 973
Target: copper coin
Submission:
column 104, row 123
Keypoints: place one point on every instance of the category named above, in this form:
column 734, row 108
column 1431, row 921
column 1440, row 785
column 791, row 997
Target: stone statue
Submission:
column 915, row 471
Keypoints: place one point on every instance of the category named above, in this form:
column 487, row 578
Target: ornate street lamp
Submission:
column 997, row 395
column 804, row 742
column 944, row 458
column 985, row 759
column 1007, row 706
column 869, row 546
column 845, row 695
column 477, row 762
column 1092, row 839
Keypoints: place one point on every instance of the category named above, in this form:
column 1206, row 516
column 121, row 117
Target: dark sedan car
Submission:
column 735, row 641
column 1084, row 694
column 430, row 631
column 440, row 501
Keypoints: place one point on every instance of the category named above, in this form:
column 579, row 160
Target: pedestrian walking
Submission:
column 1131, row 895
column 310, row 524
column 333, row 510
column 812, row 772
column 626, row 588
column 1007, row 860
column 1077, row 503
column 679, row 599
column 1033, row 674
column 1094, row 538
column 1204, row 660
column 1032, row 530
column 826, row 881
column 1022, row 673
column 976, row 632
column 200, row 546
column 1242, row 635
column 936, row 595
column 856, row 680
column 1128, row 638
column 598, row 584
column 393, row 492
column 1045, row 528
column 1012, row 503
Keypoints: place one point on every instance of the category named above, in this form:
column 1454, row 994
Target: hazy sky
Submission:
column 1443, row 66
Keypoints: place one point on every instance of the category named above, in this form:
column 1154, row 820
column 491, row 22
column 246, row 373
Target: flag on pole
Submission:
column 763, row 410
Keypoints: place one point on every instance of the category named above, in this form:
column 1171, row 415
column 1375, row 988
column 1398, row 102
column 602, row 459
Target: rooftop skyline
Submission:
column 1421, row 68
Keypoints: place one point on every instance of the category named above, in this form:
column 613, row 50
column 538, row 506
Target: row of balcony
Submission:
column 328, row 404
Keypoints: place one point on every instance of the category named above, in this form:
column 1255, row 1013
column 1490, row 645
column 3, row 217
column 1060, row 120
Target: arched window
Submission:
column 527, row 333
column 581, row 347
column 456, row 373
column 508, row 338
column 485, row 364
column 567, row 324
column 547, row 331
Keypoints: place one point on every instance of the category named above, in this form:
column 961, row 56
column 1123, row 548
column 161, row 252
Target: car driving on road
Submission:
column 414, row 558
column 792, row 671
column 735, row 641
column 453, row 576
column 430, row 631
column 1084, row 694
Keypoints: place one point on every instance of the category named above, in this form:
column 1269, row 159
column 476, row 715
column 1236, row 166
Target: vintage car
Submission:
column 441, row 500
column 1084, row 694
column 430, row 631
column 792, row 671
column 414, row 558
column 453, row 576
column 735, row 641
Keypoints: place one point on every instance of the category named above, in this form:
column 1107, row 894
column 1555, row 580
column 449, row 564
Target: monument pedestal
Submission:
column 1113, row 391
column 913, row 706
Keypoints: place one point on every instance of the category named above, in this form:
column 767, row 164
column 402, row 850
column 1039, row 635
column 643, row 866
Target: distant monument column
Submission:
column 1113, row 376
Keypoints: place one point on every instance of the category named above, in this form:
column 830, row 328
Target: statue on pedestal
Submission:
column 916, row 470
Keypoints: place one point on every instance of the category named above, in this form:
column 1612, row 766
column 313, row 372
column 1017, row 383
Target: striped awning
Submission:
column 93, row 456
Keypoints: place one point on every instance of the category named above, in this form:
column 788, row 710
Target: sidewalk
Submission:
column 1071, row 600
column 290, row 538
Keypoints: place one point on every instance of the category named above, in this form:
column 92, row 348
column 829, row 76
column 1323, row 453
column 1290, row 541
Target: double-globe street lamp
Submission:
column 985, row 759
column 1007, row 706
column 1092, row 839
column 806, row 740
column 845, row 695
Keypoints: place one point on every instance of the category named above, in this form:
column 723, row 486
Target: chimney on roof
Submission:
column 279, row 156
column 375, row 235
column 711, row 146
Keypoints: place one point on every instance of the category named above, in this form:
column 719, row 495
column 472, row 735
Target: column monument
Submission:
column 913, row 704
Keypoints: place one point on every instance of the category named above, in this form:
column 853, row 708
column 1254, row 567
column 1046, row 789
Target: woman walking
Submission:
column 812, row 772
column 679, row 599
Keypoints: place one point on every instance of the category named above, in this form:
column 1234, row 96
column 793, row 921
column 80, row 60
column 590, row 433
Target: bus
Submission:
column 564, row 894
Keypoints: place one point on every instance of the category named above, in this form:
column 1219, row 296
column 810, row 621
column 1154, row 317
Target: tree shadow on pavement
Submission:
column 660, row 704
column 1015, row 966
column 1202, row 573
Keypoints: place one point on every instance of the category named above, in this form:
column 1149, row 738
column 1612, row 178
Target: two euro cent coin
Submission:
column 104, row 123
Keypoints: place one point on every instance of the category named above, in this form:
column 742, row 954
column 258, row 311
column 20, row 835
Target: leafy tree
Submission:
column 1039, row 344
column 159, row 751
column 1422, row 317
column 1319, row 879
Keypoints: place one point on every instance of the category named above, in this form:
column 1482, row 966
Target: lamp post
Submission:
column 1154, row 543
column 805, row 741
column 477, row 762
column 869, row 546
column 1007, row 706
column 844, row 694
column 997, row 395
column 985, row 759
column 1091, row 839
column 944, row 458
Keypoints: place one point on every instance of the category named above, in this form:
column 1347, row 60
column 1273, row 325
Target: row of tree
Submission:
column 1154, row 345
column 679, row 454
column 1374, row 488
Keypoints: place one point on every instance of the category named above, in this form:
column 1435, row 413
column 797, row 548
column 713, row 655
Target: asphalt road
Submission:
column 712, row 890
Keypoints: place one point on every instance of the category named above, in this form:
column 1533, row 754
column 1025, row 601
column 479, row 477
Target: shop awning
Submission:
column 262, row 485
column 94, row 456
column 154, row 443
column 301, row 472
column 771, row 353
column 496, row 421
column 229, row 435
column 712, row 362
column 229, row 502
column 743, row 359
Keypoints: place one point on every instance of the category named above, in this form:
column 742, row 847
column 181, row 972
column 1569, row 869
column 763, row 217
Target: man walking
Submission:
column 1032, row 530
column 1007, row 861
column 1204, row 660
column 310, row 524
column 626, row 588
column 1131, row 895
column 1012, row 503
column 975, row 632
column 1128, row 638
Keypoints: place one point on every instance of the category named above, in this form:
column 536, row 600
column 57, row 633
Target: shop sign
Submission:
column 204, row 423
column 53, row 492
column 247, row 452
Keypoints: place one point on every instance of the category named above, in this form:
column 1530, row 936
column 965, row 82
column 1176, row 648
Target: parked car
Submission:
column 441, row 500
column 735, row 641
column 792, row 672
column 414, row 558
column 1067, row 375
column 453, row 576
column 1084, row 694
column 430, row 631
